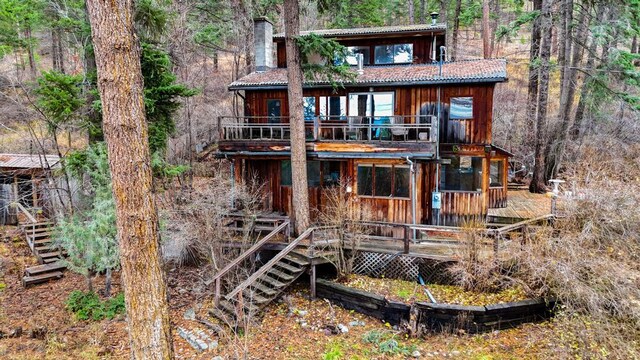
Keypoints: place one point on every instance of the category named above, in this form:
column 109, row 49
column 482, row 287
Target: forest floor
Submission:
column 293, row 328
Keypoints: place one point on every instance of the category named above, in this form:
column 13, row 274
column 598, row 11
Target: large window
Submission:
column 463, row 174
column 352, row 54
column 371, row 104
column 384, row 181
column 333, row 107
column 461, row 108
column 274, row 110
column 496, row 173
column 326, row 173
column 309, row 108
column 393, row 54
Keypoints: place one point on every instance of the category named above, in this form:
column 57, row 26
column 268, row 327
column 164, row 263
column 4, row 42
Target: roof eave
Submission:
column 493, row 79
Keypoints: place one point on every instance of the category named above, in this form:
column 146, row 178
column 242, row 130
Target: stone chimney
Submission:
column 263, row 43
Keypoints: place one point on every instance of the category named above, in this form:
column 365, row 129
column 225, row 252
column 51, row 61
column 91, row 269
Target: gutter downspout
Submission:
column 414, row 195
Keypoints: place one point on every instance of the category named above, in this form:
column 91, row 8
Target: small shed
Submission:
column 22, row 180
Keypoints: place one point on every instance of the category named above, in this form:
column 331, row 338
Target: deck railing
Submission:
column 344, row 129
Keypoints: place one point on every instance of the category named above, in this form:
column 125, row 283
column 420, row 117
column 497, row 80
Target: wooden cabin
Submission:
column 410, row 135
column 22, row 181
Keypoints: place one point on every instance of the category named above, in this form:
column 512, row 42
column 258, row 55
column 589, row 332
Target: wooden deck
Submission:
column 521, row 205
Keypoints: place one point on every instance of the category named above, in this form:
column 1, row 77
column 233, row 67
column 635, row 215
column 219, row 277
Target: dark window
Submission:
column 353, row 51
column 333, row 107
column 496, row 173
column 401, row 181
column 313, row 173
column 365, row 180
column 393, row 54
column 274, row 110
column 330, row 173
column 384, row 181
column 461, row 108
column 463, row 174
column 383, row 176
column 285, row 173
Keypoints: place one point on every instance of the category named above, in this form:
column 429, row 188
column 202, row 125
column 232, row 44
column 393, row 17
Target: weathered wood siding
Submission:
column 410, row 101
column 497, row 197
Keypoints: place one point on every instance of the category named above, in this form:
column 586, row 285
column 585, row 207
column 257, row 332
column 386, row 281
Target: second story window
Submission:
column 393, row 54
column 461, row 108
column 309, row 108
column 353, row 51
column 333, row 107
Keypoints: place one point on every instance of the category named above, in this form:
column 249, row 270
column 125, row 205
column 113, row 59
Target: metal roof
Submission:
column 465, row 71
column 29, row 161
column 377, row 30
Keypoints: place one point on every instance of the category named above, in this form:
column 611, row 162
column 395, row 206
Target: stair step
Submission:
column 254, row 297
column 264, row 289
column 274, row 283
column 30, row 280
column 50, row 254
column 296, row 260
column 290, row 268
column 224, row 316
column 43, row 241
column 42, row 269
column 279, row 274
column 39, row 235
column 46, row 248
column 50, row 260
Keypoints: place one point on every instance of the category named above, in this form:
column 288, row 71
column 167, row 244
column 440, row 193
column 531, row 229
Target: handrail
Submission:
column 217, row 278
column 518, row 225
column 266, row 267
column 25, row 211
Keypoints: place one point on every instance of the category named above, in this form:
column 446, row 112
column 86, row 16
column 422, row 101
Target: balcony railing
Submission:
column 344, row 129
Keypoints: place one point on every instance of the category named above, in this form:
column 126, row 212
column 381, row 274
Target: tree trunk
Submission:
column 89, row 279
column 562, row 39
column 634, row 45
column 532, row 90
column 486, row 30
column 538, row 181
column 456, row 30
column 557, row 147
column 32, row 59
column 412, row 19
column 494, row 25
column 584, row 90
column 296, row 117
column 423, row 11
column 107, row 283
column 117, row 53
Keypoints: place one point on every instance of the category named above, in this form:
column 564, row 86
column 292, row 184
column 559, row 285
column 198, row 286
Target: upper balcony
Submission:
column 355, row 134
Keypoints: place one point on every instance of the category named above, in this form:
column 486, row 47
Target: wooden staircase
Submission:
column 245, row 300
column 38, row 236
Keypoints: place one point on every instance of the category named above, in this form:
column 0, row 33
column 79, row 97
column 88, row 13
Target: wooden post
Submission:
column 220, row 131
column 316, row 128
column 406, row 239
column 216, row 299
column 313, row 280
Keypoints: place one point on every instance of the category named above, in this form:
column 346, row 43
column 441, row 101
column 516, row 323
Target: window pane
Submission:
column 365, row 180
column 402, row 182
column 461, row 108
column 496, row 172
column 383, row 181
column 330, row 173
column 313, row 173
column 382, row 104
column 359, row 105
column 285, row 173
column 333, row 107
column 273, row 110
column 464, row 174
column 403, row 53
column 309, row 108
column 352, row 58
column 384, row 54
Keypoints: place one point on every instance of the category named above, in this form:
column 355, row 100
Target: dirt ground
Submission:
column 293, row 328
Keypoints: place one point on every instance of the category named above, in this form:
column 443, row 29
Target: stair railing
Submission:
column 32, row 222
column 237, row 261
column 279, row 256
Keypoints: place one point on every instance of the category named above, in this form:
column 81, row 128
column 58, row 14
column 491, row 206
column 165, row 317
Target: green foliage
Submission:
column 16, row 18
column 511, row 30
column 151, row 18
column 386, row 343
column 88, row 306
column 335, row 68
column 59, row 97
column 162, row 169
column 334, row 351
column 161, row 93
column 373, row 336
column 346, row 13
column 89, row 238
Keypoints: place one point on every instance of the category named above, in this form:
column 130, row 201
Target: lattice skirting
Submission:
column 401, row 267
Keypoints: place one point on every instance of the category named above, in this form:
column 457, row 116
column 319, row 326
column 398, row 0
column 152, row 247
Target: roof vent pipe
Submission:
column 434, row 18
column 360, row 58
column 263, row 43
